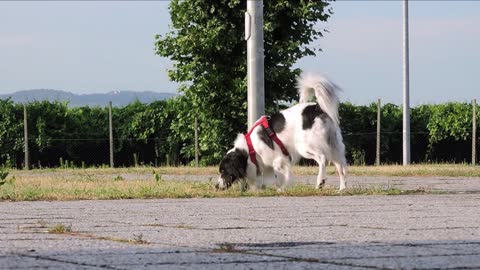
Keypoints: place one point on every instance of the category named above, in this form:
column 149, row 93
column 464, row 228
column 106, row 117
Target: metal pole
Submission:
column 110, row 132
column 25, row 133
column 196, row 142
column 377, row 158
column 255, row 60
column 474, row 132
column 406, row 88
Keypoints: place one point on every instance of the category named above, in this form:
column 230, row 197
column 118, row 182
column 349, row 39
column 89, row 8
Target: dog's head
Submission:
column 232, row 167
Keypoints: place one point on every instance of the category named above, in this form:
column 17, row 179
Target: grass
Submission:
column 80, row 186
column 67, row 230
column 451, row 170
column 60, row 229
column 419, row 170
column 225, row 248
column 147, row 182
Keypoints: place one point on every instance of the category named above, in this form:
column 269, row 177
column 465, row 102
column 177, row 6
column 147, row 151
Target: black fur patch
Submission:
column 276, row 122
column 263, row 135
column 234, row 166
column 309, row 114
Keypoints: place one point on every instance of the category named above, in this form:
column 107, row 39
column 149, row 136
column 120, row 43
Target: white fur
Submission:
column 315, row 85
column 311, row 143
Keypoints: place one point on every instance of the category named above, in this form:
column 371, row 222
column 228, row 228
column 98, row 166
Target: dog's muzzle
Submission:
column 221, row 184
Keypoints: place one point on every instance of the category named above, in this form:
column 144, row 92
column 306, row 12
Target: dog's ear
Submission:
column 235, row 164
column 239, row 163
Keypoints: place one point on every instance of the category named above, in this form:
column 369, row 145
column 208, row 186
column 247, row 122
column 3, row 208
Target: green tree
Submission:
column 450, row 128
column 11, row 132
column 86, row 134
column 209, row 52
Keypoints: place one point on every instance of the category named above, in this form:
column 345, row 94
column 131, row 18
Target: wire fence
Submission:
column 102, row 149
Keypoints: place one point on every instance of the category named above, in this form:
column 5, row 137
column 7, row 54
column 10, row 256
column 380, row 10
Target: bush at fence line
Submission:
column 151, row 134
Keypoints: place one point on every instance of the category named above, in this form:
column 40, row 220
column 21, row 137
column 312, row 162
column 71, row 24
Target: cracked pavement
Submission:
column 344, row 232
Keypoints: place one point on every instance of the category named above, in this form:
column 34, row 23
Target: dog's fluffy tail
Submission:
column 316, row 85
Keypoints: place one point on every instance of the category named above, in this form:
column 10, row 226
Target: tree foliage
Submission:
column 208, row 49
column 11, row 132
column 440, row 133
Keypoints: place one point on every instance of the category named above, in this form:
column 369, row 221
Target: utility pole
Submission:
column 25, row 133
column 196, row 142
column 110, row 132
column 255, row 60
column 474, row 132
column 406, row 88
column 377, row 157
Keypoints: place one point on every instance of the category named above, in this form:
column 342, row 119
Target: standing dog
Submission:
column 309, row 130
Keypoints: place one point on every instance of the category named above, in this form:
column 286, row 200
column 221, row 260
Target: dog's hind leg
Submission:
column 342, row 171
column 322, row 175
column 321, row 160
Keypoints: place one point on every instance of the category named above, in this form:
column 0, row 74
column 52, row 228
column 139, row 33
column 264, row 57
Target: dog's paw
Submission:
column 321, row 185
column 243, row 186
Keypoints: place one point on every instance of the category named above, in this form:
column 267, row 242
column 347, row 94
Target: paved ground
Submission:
column 347, row 232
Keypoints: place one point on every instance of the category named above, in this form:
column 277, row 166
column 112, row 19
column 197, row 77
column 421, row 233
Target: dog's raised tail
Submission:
column 325, row 91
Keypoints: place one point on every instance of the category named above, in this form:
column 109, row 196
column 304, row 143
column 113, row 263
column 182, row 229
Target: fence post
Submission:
column 110, row 132
column 377, row 156
column 196, row 142
column 474, row 132
column 25, row 131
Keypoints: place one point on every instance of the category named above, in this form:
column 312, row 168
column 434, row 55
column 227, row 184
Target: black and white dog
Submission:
column 309, row 130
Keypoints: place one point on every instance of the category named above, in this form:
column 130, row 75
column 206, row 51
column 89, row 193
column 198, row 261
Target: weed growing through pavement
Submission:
column 60, row 229
column 225, row 247
column 42, row 223
column 138, row 239
column 64, row 229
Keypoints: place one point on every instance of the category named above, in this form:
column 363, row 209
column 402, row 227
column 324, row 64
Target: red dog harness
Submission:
column 264, row 122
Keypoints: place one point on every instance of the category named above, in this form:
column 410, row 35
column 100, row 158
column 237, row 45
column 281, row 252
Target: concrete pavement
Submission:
column 344, row 232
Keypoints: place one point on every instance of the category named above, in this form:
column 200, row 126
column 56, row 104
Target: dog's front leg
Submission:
column 282, row 171
column 243, row 185
column 253, row 184
column 254, row 181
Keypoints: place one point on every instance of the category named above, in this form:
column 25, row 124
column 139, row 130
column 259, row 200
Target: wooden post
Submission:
column 110, row 131
column 25, row 131
column 377, row 157
column 474, row 132
column 196, row 142
column 156, row 151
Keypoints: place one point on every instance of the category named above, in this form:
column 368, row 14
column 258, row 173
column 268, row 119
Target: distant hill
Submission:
column 118, row 98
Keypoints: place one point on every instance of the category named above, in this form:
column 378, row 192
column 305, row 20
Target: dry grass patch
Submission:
column 86, row 187
column 452, row 170
column 67, row 230
column 420, row 170
column 225, row 248
column 60, row 229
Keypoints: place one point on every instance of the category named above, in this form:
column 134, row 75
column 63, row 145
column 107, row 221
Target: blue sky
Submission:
column 92, row 46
